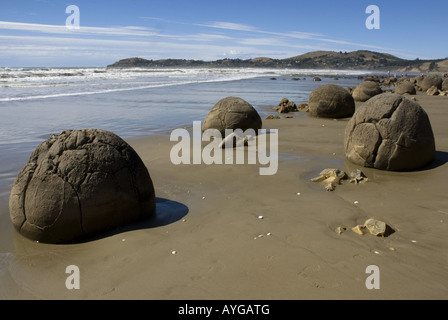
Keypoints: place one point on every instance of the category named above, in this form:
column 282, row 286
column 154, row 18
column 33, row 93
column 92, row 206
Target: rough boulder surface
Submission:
column 433, row 80
column 405, row 87
column 331, row 101
column 366, row 90
column 80, row 183
column 232, row 113
column 390, row 132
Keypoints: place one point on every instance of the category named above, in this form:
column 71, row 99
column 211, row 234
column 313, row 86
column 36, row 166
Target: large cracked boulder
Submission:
column 390, row 132
column 232, row 113
column 366, row 90
column 80, row 183
column 331, row 101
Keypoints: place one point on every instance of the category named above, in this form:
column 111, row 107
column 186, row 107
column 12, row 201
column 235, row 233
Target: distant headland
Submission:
column 359, row 60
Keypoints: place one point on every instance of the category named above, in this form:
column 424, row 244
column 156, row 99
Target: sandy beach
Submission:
column 225, row 232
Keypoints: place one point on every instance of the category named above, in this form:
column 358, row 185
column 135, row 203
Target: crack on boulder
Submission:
column 394, row 108
column 377, row 146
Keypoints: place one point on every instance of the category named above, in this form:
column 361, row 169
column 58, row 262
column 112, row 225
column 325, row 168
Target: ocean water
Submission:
column 36, row 102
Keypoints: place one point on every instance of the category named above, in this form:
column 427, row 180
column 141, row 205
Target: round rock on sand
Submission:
column 232, row 113
column 366, row 90
column 331, row 101
column 433, row 80
column 80, row 183
column 390, row 132
column 405, row 87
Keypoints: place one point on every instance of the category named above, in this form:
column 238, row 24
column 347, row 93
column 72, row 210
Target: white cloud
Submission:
column 228, row 26
column 44, row 42
column 83, row 30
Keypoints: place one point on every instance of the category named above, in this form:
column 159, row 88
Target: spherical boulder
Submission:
column 232, row 113
column 433, row 80
column 405, row 87
column 366, row 90
column 80, row 183
column 390, row 132
column 331, row 101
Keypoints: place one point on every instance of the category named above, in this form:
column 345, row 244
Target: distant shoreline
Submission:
column 329, row 60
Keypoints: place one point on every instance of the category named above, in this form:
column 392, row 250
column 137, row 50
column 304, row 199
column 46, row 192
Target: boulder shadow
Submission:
column 440, row 159
column 167, row 212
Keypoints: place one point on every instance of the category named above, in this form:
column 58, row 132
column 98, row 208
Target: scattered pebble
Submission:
column 173, row 252
column 262, row 236
column 123, row 240
column 392, row 249
column 340, row 230
column 203, row 198
column 358, row 230
column 356, row 202
column 260, row 217
column 376, row 252
column 413, row 241
column 298, row 193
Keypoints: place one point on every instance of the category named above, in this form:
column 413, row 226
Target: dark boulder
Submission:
column 232, row 113
column 390, row 132
column 405, row 87
column 331, row 101
column 80, row 183
column 366, row 90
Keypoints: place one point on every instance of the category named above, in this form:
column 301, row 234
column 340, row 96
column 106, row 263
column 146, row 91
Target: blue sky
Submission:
column 34, row 32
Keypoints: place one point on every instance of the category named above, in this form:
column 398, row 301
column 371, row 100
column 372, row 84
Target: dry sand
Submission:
column 209, row 215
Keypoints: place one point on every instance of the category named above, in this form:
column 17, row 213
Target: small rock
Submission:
column 358, row 176
column 433, row 91
column 286, row 106
column 340, row 230
column 303, row 107
column 375, row 227
column 330, row 178
column 358, row 230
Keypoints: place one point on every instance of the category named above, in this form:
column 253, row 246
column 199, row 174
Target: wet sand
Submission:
column 209, row 217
